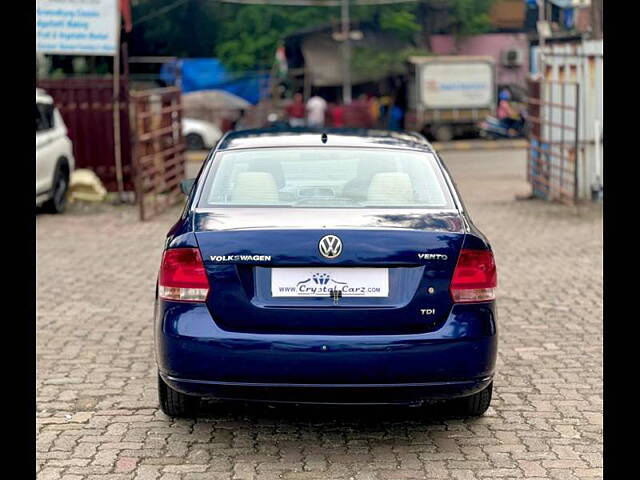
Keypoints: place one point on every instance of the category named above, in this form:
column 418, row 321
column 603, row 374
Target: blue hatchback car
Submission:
column 328, row 267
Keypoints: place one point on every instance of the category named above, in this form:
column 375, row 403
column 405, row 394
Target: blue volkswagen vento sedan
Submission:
column 335, row 267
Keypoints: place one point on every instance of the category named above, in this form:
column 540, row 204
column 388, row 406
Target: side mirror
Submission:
column 186, row 184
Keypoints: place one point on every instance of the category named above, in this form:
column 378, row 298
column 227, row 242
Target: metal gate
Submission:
column 158, row 149
column 86, row 106
column 553, row 116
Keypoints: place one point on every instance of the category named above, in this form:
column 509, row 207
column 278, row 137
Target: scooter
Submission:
column 493, row 128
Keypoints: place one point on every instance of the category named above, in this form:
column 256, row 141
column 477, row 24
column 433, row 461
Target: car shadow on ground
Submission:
column 359, row 417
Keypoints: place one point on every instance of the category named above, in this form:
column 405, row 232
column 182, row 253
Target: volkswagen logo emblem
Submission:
column 330, row 246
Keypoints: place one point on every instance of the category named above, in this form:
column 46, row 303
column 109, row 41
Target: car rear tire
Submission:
column 176, row 404
column 474, row 405
column 58, row 200
column 443, row 133
column 195, row 142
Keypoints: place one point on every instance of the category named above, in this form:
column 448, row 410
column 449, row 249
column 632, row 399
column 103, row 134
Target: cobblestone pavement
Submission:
column 97, row 412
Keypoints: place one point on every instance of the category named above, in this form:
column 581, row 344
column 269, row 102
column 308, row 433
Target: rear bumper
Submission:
column 197, row 357
column 357, row 394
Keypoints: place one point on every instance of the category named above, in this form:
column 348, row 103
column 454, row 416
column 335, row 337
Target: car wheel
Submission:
column 474, row 405
column 444, row 133
column 58, row 200
column 195, row 142
column 176, row 404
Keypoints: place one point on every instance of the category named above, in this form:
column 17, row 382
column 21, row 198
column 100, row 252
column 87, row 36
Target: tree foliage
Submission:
column 402, row 22
column 400, row 19
column 251, row 33
column 383, row 62
column 471, row 16
column 190, row 30
column 245, row 37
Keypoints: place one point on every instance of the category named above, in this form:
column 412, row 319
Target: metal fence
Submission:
column 566, row 106
column 553, row 116
column 158, row 149
column 582, row 62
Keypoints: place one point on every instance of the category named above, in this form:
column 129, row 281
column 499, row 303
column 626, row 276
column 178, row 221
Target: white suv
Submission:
column 54, row 155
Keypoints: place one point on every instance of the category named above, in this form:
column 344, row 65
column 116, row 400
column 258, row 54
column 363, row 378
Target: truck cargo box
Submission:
column 448, row 95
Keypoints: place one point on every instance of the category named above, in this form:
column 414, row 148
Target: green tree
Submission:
column 167, row 28
column 250, row 34
column 402, row 22
column 471, row 17
column 383, row 62
column 245, row 37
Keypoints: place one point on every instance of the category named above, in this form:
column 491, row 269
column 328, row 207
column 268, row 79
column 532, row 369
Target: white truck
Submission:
column 449, row 95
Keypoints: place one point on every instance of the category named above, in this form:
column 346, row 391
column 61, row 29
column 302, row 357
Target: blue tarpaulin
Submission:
column 557, row 3
column 210, row 74
column 563, row 3
column 568, row 18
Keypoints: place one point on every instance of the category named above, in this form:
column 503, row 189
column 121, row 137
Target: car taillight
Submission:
column 475, row 278
column 182, row 276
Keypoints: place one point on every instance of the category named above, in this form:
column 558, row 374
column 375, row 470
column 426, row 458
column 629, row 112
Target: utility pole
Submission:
column 596, row 19
column 541, row 34
column 117, row 141
column 346, row 54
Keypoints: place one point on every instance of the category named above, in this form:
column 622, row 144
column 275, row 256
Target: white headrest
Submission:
column 255, row 188
column 393, row 188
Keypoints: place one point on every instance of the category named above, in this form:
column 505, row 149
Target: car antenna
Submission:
column 324, row 138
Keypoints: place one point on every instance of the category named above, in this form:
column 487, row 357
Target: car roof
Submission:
column 311, row 137
column 42, row 96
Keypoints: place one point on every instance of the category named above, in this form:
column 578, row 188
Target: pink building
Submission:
column 510, row 51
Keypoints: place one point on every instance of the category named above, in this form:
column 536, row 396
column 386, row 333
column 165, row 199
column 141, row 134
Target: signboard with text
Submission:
column 77, row 27
column 467, row 84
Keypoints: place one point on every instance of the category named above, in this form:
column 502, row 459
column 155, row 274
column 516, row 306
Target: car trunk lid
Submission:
column 408, row 257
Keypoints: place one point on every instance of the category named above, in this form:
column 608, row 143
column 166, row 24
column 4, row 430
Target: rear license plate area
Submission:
column 321, row 282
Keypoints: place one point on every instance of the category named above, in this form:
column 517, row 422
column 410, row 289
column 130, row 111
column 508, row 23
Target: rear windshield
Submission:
column 327, row 177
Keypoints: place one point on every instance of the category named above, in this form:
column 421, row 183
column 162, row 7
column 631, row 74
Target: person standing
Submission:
column 385, row 110
column 295, row 111
column 316, row 109
column 363, row 110
column 395, row 118
column 337, row 115
column 374, row 110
